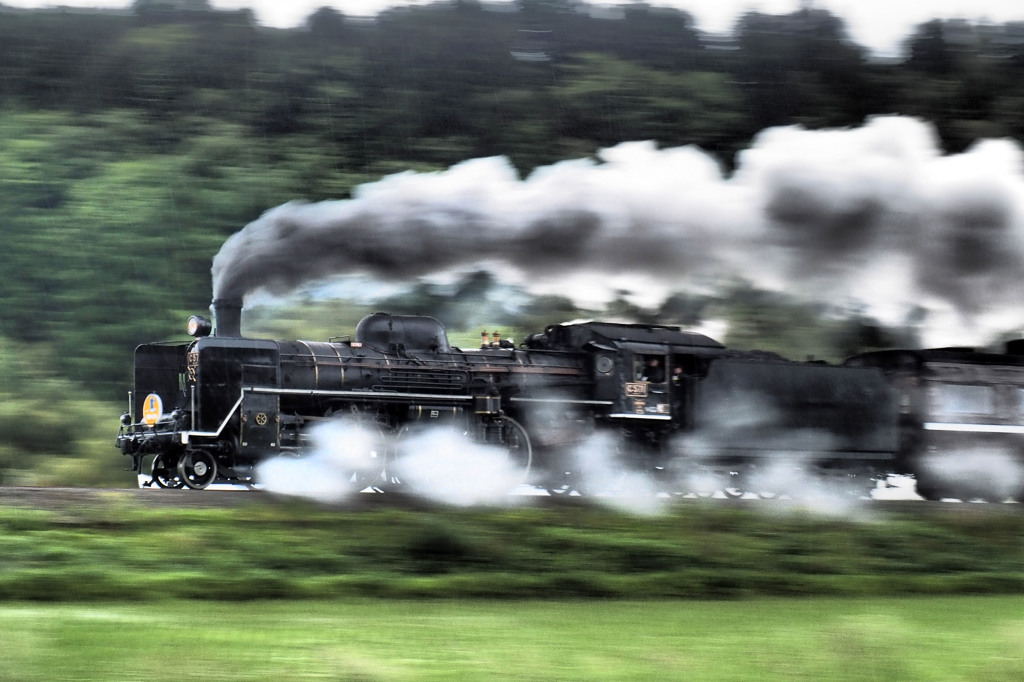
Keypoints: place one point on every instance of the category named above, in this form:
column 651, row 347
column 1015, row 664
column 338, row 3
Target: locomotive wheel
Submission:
column 734, row 486
column 197, row 469
column 520, row 451
column 558, row 490
column 503, row 434
column 165, row 476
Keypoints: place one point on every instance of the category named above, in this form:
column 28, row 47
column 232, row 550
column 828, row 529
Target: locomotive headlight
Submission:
column 199, row 326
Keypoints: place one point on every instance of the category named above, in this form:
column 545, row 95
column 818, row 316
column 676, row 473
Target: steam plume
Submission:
column 879, row 212
column 339, row 451
column 993, row 473
column 345, row 456
column 444, row 465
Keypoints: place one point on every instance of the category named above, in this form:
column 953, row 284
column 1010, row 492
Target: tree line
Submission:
column 132, row 143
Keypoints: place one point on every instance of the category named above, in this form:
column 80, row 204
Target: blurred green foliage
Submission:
column 133, row 143
column 53, row 431
column 264, row 547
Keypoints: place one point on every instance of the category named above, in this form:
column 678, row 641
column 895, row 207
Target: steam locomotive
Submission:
column 676, row 406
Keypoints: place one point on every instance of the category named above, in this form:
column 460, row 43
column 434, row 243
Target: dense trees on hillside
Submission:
column 133, row 143
column 436, row 83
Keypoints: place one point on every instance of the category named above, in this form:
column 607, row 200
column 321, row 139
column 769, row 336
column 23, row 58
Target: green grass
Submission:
column 265, row 549
column 935, row 638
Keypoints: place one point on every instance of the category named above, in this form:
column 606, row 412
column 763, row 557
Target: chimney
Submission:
column 227, row 315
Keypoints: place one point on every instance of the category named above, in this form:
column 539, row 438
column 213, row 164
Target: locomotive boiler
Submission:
column 675, row 405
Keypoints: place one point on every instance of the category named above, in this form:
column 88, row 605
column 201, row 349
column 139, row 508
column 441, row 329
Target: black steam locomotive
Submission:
column 676, row 406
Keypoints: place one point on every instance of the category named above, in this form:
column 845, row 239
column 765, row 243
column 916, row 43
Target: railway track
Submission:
column 58, row 499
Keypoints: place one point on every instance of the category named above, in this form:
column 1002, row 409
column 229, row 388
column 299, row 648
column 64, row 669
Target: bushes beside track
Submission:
column 117, row 548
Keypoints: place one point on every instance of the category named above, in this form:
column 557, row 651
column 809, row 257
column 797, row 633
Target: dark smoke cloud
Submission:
column 577, row 215
column 879, row 213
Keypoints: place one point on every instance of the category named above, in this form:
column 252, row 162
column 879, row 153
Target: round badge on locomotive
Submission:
column 152, row 409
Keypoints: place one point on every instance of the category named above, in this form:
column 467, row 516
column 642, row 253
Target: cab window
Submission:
column 649, row 368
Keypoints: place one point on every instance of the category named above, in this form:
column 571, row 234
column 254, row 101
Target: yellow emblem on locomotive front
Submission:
column 152, row 409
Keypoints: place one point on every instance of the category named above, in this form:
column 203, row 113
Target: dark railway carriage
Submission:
column 961, row 419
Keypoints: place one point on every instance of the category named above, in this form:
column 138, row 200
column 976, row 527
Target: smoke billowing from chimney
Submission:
column 877, row 213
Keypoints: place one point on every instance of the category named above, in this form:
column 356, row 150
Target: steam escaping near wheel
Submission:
column 342, row 458
column 877, row 214
column 605, row 472
column 440, row 464
column 790, row 467
column 444, row 465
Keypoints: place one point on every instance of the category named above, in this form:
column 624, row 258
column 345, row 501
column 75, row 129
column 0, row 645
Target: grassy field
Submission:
column 117, row 546
column 114, row 588
column 929, row 638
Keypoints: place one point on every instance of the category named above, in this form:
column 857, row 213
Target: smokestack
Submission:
column 227, row 314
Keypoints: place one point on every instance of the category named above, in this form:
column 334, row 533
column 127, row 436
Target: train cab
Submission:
column 646, row 393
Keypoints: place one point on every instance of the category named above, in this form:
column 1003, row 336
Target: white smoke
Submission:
column 342, row 458
column 445, row 465
column 989, row 472
column 605, row 470
column 612, row 472
column 795, row 476
column 441, row 464
column 878, row 213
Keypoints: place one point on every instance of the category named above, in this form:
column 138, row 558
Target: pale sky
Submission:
column 877, row 24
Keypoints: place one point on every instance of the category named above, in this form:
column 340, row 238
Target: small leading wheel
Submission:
column 165, row 476
column 197, row 469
